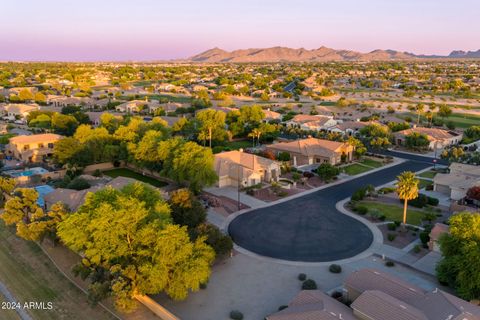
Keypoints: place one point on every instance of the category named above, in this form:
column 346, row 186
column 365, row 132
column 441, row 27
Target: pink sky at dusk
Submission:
column 147, row 30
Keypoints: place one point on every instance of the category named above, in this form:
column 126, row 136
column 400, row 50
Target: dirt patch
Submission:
column 398, row 238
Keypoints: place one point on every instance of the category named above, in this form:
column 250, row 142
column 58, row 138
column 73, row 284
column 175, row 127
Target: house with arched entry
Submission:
column 314, row 151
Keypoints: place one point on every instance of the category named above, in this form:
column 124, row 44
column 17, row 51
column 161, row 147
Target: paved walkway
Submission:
column 232, row 193
column 10, row 298
column 428, row 263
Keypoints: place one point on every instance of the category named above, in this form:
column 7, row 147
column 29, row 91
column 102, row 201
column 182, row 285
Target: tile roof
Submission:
column 34, row 138
column 310, row 147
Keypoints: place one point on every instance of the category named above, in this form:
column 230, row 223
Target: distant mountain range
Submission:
column 279, row 54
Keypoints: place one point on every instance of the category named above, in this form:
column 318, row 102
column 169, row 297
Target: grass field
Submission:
column 371, row 163
column 123, row 172
column 428, row 174
column 240, row 144
column 464, row 121
column 394, row 213
column 30, row 276
column 355, row 169
column 424, row 183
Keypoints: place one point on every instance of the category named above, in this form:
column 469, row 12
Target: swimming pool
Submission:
column 43, row 191
column 26, row 172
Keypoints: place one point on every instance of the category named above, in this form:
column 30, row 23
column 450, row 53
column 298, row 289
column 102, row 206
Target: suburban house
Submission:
column 94, row 117
column 312, row 123
column 136, row 106
column 435, row 234
column 73, row 199
column 314, row 151
column 271, row 115
column 350, row 128
column 236, row 168
column 312, row 305
column 17, row 110
column 32, row 148
column 377, row 295
column 438, row 138
column 456, row 183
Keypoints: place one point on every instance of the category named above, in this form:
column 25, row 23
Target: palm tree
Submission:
column 407, row 189
column 256, row 133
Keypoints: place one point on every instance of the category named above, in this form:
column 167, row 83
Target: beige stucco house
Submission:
column 438, row 138
column 456, row 183
column 33, row 148
column 236, row 168
column 314, row 151
column 312, row 123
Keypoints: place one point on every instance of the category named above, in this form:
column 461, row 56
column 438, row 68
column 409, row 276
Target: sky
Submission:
column 101, row 30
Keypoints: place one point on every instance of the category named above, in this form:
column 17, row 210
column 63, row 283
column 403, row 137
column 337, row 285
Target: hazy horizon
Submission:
column 147, row 30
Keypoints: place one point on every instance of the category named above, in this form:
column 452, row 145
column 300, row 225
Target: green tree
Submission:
column 419, row 109
column 64, row 124
column 186, row 209
column 327, row 172
column 460, row 264
column 41, row 121
column 25, row 95
column 40, row 98
column 110, row 122
column 212, row 125
column 359, row 147
column 6, row 187
column 128, row 234
column 444, row 111
column 69, row 150
column 407, row 189
column 187, row 163
column 417, row 140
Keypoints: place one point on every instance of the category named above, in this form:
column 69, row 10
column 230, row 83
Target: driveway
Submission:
column 309, row 228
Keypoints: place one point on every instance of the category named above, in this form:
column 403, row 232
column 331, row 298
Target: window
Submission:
column 50, row 145
column 26, row 147
column 40, row 145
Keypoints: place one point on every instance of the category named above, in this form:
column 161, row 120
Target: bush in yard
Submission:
column 382, row 218
column 335, row 268
column 309, row 284
column 362, row 210
column 417, row 249
column 389, row 263
column 425, row 237
column 337, row 295
column 327, row 172
column 392, row 226
column 283, row 156
column 432, row 201
column 302, row 276
column 78, row 184
column 236, row 315
column 308, row 175
column 359, row 194
column 391, row 236
column 419, row 202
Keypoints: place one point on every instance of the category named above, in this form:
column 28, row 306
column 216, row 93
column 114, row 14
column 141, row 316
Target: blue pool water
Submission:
column 43, row 191
column 26, row 173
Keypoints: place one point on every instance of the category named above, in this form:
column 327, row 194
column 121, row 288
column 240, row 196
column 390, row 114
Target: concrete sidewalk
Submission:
column 232, row 193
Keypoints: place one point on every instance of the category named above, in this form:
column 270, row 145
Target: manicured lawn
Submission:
column 30, row 276
column 463, row 121
column 428, row 174
column 240, row 144
column 123, row 172
column 355, row 169
column 424, row 183
column 371, row 163
column 393, row 212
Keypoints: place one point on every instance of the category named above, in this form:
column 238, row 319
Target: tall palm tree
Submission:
column 407, row 189
column 255, row 133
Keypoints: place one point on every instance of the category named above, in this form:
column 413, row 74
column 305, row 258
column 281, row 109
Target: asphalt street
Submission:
column 309, row 228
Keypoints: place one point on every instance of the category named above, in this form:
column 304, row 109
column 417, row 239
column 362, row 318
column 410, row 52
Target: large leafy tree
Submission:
column 460, row 266
column 187, row 163
column 186, row 209
column 407, row 189
column 212, row 125
column 6, row 187
column 128, row 233
column 31, row 222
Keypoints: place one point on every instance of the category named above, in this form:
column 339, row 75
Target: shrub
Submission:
column 391, row 236
column 419, row 202
column 382, row 218
column 335, row 268
column 97, row 173
column 392, row 226
column 308, row 175
column 424, row 237
column 417, row 249
column 78, row 184
column 389, row 263
column 302, row 276
column 337, row 295
column 217, row 149
column 386, row 190
column 309, row 284
column 236, row 315
column 282, row 307
column 283, row 156
column 361, row 210
column 397, row 223
column 358, row 195
column 432, row 201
